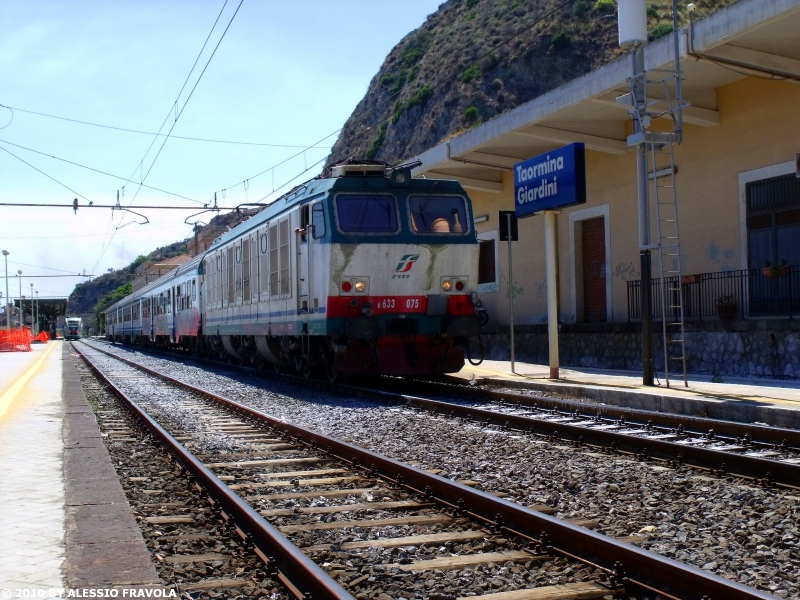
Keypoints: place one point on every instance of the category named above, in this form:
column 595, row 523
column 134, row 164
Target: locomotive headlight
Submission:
column 360, row 286
column 447, row 285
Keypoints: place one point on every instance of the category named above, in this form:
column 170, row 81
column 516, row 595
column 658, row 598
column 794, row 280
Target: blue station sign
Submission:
column 552, row 180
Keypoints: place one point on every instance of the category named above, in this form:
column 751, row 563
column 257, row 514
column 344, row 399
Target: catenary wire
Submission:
column 43, row 173
column 177, row 137
column 95, row 170
column 105, row 246
column 382, row 105
column 13, row 262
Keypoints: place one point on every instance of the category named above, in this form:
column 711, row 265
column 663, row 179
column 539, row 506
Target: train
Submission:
column 362, row 270
column 72, row 328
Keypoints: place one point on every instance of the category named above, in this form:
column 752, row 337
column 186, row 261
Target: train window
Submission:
column 438, row 215
column 246, row 270
column 273, row 260
column 367, row 213
column 219, row 262
column 194, row 289
column 239, row 252
column 231, row 277
column 304, row 222
column 318, row 220
column 285, row 278
column 263, row 266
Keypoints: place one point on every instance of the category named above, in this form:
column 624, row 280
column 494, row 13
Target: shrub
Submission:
column 471, row 73
column 420, row 98
column 378, row 141
column 489, row 62
column 398, row 84
column 386, row 79
column 561, row 41
column 471, row 3
column 605, row 6
column 661, row 30
column 471, row 116
column 415, row 48
column 497, row 84
column 472, row 15
column 652, row 13
column 581, row 8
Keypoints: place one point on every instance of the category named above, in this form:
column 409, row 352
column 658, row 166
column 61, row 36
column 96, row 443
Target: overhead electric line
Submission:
column 115, row 206
column 96, row 170
column 45, row 174
column 177, row 113
column 178, row 137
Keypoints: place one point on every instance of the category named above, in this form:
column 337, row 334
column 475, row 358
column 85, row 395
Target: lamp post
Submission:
column 37, row 312
column 19, row 276
column 32, row 315
column 8, row 313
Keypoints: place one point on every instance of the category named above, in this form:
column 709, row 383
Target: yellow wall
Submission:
column 759, row 126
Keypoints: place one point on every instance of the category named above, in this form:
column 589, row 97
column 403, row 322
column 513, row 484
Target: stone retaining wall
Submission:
column 767, row 353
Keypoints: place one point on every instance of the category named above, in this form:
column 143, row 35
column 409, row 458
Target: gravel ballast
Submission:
column 725, row 525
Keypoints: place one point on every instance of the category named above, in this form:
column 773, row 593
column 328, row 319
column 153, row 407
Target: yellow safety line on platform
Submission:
column 11, row 394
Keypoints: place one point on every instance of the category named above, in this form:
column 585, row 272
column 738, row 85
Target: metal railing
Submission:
column 742, row 294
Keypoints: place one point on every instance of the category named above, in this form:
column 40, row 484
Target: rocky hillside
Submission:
column 475, row 59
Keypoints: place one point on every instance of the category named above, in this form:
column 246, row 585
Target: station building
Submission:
column 738, row 188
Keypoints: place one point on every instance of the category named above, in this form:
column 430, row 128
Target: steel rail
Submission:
column 762, row 433
column 302, row 576
column 765, row 433
column 761, row 470
column 628, row 563
column 758, row 433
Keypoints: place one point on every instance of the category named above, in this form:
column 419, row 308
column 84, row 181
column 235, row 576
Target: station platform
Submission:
column 769, row 401
column 59, row 488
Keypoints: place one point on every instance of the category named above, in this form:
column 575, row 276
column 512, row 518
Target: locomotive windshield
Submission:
column 438, row 215
column 366, row 213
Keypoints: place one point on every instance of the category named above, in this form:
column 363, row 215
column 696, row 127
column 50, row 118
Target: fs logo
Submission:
column 405, row 264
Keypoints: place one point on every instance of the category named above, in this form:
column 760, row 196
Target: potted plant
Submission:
column 726, row 307
column 772, row 271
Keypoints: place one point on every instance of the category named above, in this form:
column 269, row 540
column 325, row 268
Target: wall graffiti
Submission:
column 626, row 272
column 517, row 289
column 723, row 259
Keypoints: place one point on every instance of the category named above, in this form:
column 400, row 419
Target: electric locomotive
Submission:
column 363, row 271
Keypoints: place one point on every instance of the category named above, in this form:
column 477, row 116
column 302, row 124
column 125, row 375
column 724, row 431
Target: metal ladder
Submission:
column 664, row 196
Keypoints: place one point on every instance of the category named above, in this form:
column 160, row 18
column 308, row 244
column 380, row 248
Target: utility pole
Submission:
column 33, row 330
column 645, row 260
column 19, row 276
column 8, row 298
column 632, row 22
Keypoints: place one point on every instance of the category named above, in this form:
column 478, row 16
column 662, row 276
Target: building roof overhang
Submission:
column 750, row 38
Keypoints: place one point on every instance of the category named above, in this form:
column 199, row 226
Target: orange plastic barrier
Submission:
column 15, row 340
column 42, row 338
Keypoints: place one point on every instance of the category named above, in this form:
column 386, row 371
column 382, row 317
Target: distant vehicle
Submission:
column 72, row 328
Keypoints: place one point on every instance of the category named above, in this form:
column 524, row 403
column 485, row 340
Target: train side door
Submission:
column 303, row 256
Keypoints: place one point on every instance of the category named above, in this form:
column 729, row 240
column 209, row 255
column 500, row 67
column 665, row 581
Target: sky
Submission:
column 285, row 73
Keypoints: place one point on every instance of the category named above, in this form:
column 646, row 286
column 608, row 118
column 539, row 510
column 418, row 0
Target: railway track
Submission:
column 270, row 480
column 765, row 455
